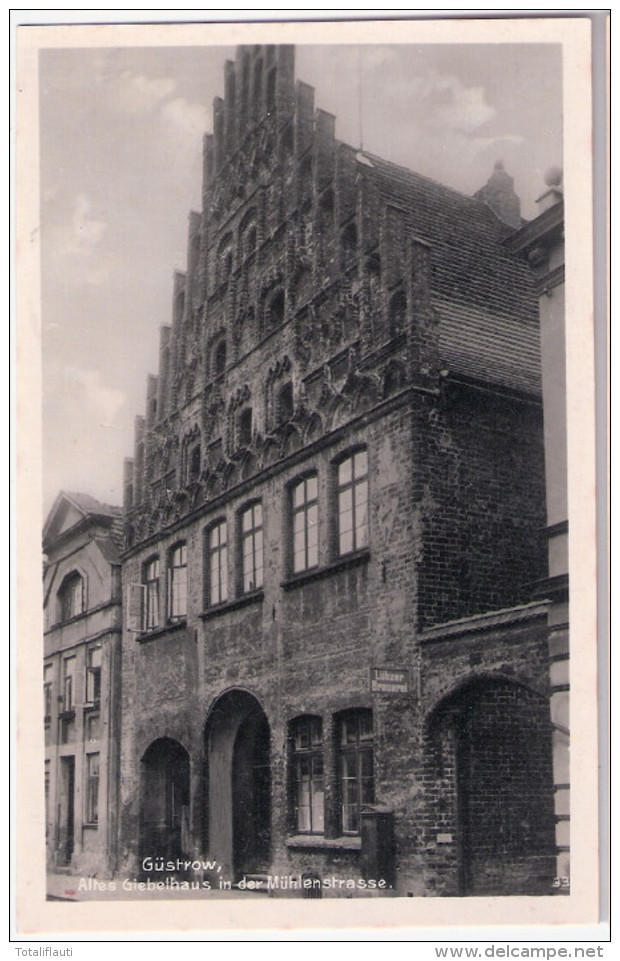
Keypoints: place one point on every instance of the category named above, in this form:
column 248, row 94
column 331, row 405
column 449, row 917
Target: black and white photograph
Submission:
column 305, row 479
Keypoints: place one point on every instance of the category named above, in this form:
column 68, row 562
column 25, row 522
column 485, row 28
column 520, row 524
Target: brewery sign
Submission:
column 389, row 680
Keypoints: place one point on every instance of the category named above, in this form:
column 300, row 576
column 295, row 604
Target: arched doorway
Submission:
column 491, row 790
column 238, row 778
column 164, row 800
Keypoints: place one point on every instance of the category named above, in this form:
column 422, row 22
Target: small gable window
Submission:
column 72, row 596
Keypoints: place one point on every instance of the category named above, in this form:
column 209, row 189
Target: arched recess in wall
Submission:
column 397, row 312
column 219, row 357
column 165, row 800
column 238, row 783
column 313, row 428
column 273, row 309
column 248, row 234
column 285, row 406
column 244, row 427
column 489, row 789
column 71, row 596
column 194, row 462
column 224, row 258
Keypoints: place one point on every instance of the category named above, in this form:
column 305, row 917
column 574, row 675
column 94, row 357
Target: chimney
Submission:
column 498, row 194
column 555, row 194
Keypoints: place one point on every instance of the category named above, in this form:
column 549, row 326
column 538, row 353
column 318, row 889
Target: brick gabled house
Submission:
column 332, row 663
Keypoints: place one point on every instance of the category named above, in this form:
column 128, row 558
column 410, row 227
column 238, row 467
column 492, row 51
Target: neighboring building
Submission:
column 82, row 619
column 541, row 242
column 331, row 662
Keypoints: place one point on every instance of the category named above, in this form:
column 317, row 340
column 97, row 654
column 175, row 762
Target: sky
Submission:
column 120, row 169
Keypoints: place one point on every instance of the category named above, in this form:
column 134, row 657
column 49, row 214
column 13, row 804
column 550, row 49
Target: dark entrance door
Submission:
column 165, row 800
column 251, row 796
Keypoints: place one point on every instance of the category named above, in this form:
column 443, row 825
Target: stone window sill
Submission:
column 160, row 631
column 341, row 564
column 252, row 598
column 317, row 841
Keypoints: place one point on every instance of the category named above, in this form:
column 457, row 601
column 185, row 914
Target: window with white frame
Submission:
column 217, row 563
column 252, row 547
column 92, row 788
column 308, row 792
column 68, row 684
column 177, row 582
column 93, row 675
column 354, row 739
column 151, row 580
column 353, row 503
column 305, row 513
column 48, row 675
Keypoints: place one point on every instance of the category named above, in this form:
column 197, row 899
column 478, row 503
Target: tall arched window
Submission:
column 308, row 800
column 150, row 580
column 177, row 582
column 353, row 503
column 72, row 596
column 354, row 733
column 216, row 567
column 305, row 523
column 251, row 524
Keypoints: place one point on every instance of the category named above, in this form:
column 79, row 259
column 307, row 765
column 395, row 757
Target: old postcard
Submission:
column 306, row 336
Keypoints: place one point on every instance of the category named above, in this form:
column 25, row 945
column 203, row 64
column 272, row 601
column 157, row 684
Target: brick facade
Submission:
column 333, row 306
